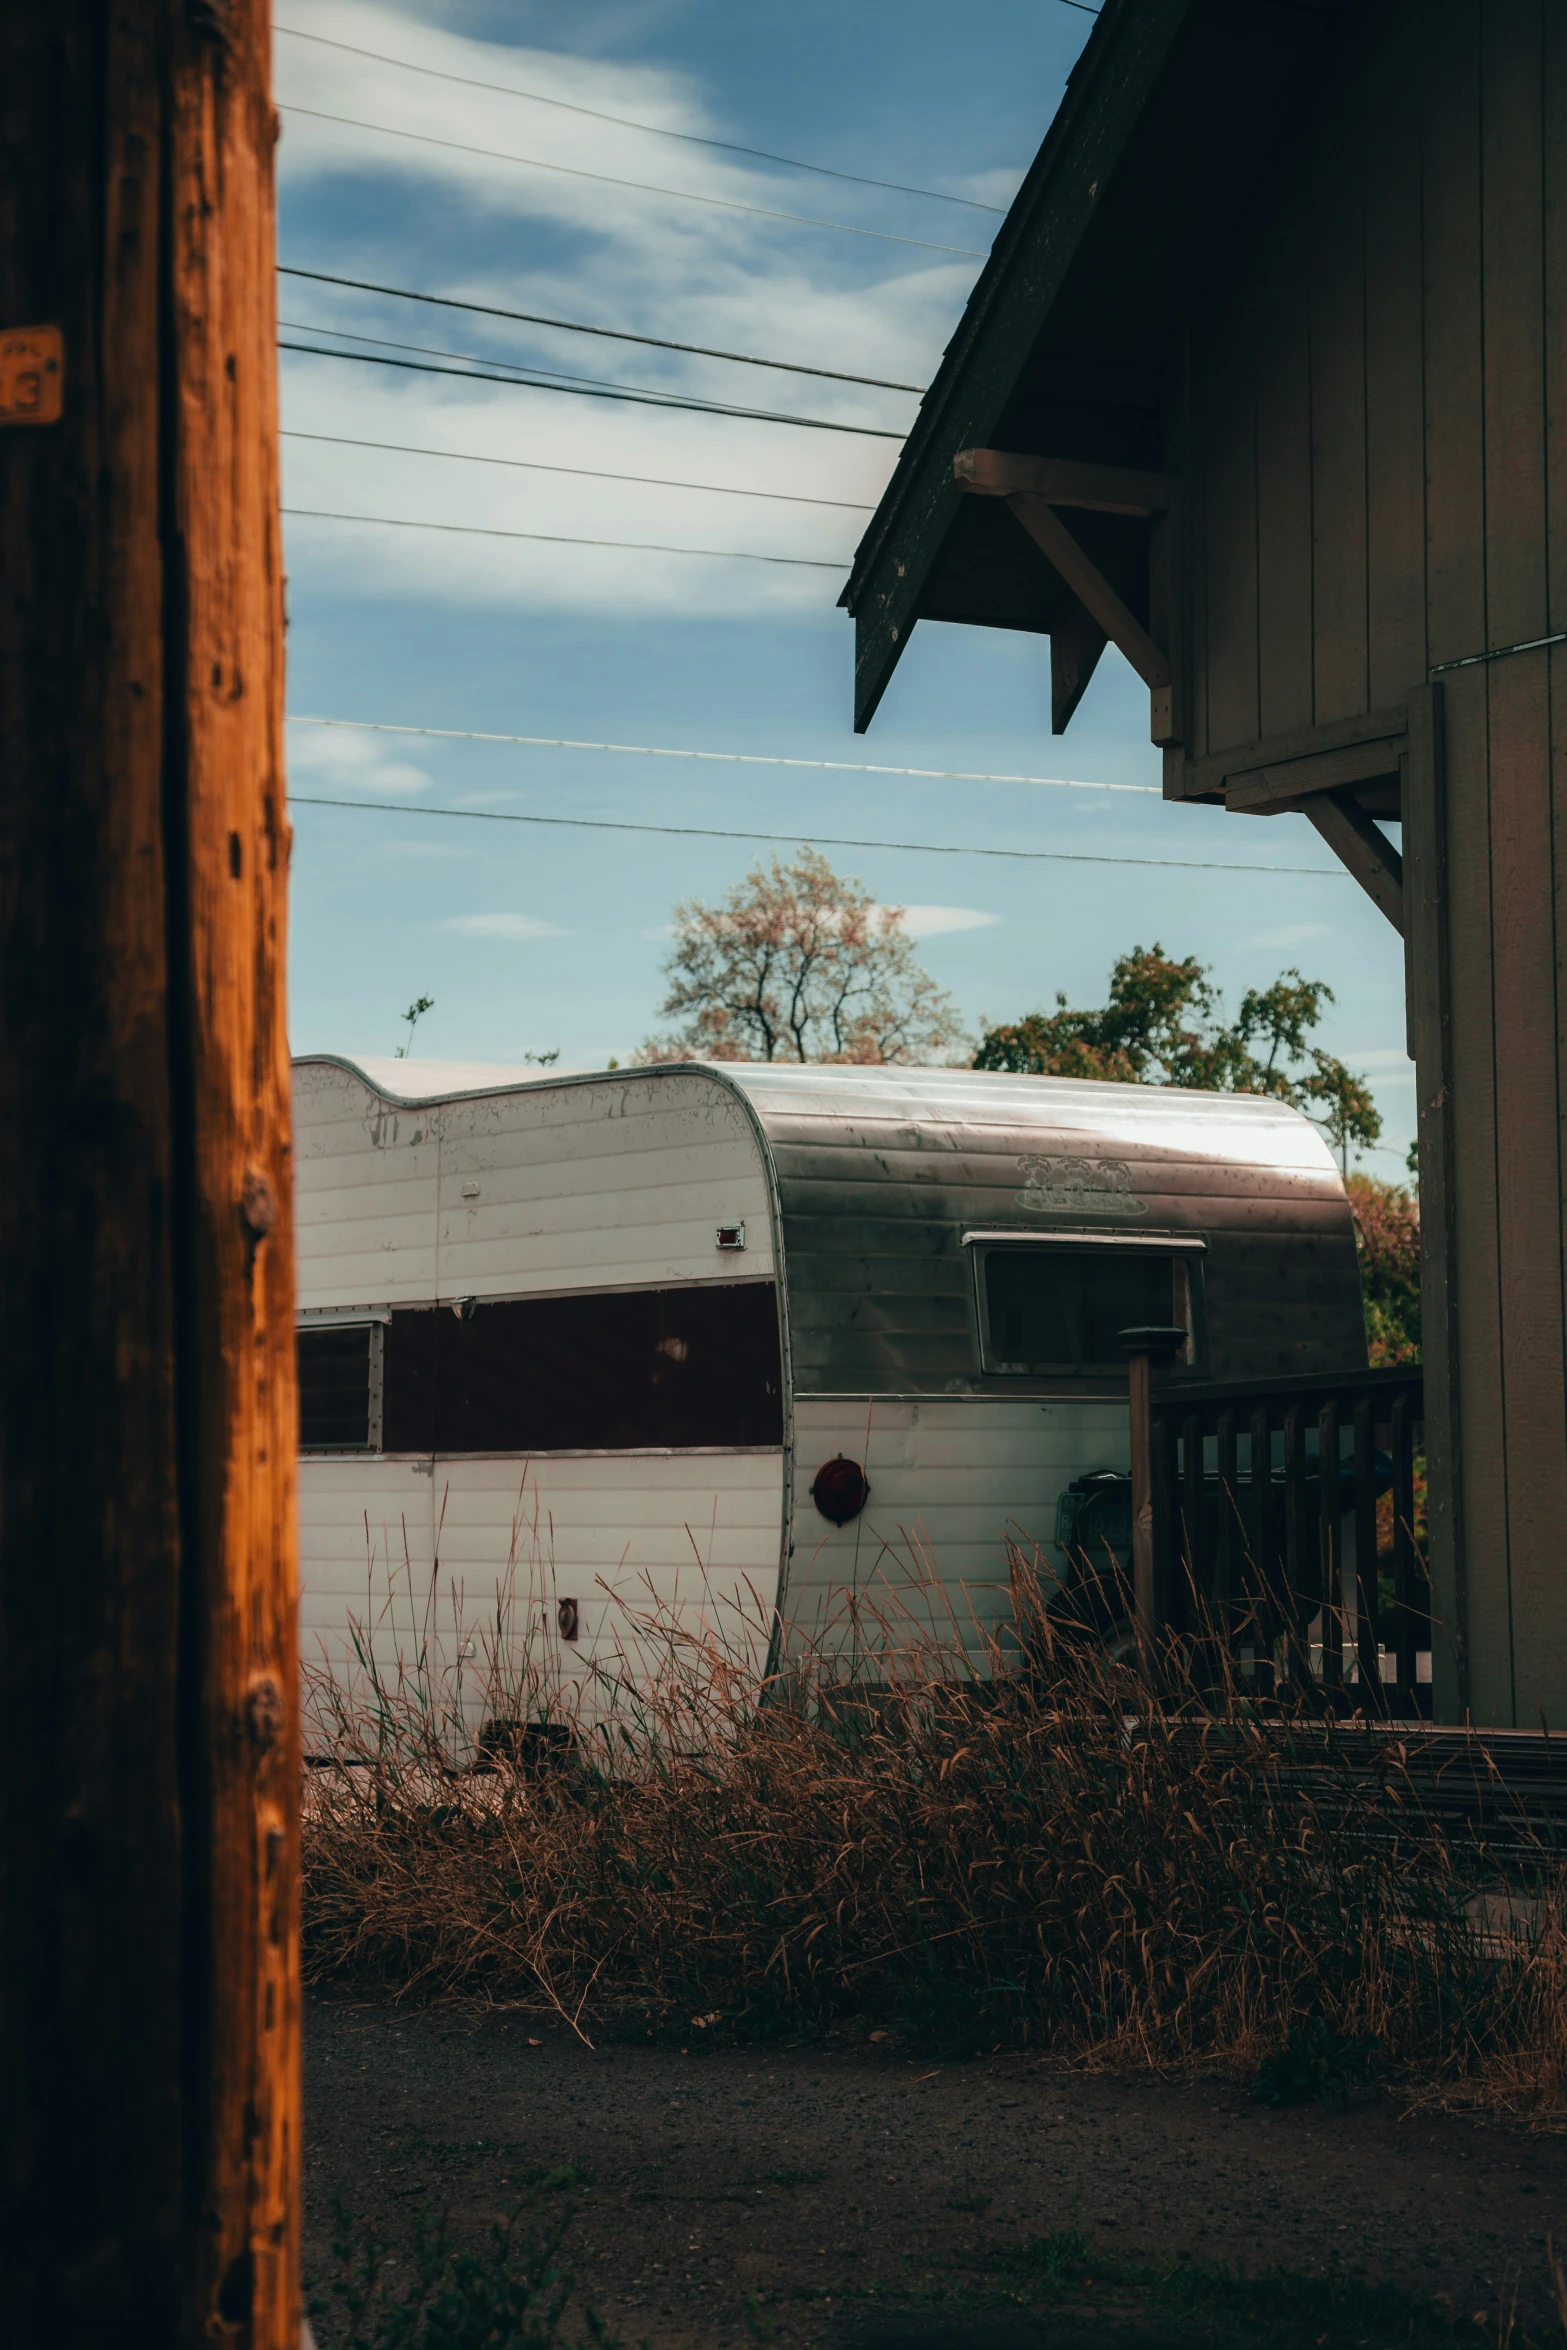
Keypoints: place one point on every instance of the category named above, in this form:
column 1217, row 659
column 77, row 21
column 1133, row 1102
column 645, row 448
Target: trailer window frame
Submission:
column 372, row 1320
column 1185, row 1251
column 650, row 1367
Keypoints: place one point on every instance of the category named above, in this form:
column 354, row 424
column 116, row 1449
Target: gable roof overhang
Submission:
column 1069, row 347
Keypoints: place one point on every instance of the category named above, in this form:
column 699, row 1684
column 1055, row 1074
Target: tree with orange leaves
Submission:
column 799, row 964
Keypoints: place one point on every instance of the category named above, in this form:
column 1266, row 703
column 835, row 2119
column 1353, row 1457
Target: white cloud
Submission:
column 599, row 254
column 1289, row 934
column 996, row 186
column 349, row 762
column 501, row 926
column 937, row 921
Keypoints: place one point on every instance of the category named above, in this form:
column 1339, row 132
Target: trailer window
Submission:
column 340, row 1387
column 601, row 1371
column 1059, row 1311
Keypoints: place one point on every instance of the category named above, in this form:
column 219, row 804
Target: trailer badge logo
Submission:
column 1060, row 1186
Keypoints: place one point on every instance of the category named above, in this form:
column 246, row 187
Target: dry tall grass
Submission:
column 1059, row 1856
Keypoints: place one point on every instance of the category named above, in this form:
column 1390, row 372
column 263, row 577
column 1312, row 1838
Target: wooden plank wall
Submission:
column 1380, row 440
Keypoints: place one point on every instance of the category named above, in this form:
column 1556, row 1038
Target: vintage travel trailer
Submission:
column 729, row 1342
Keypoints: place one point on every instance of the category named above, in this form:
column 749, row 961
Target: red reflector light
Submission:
column 840, row 1491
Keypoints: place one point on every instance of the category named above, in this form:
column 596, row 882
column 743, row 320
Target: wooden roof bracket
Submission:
column 1034, row 487
column 1361, row 844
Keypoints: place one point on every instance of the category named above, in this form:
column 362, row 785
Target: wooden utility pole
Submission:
column 149, row 2104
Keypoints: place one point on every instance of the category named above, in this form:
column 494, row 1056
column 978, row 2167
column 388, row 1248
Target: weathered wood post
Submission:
column 1149, row 1349
column 149, row 2106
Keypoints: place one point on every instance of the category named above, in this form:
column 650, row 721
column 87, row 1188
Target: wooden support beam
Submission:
column 149, row 1733
column 1364, row 848
column 1075, row 647
column 1064, row 481
column 1429, row 986
column 1033, row 487
column 1266, row 791
column 1098, row 598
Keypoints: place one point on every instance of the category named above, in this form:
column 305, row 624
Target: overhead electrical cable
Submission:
column 653, row 481
column 552, row 742
column 527, row 369
column 842, row 228
column 825, row 840
column 359, row 285
column 558, row 538
column 588, row 390
column 654, row 130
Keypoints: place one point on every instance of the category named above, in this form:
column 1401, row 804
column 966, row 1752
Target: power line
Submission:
column 552, row 742
column 359, row 285
column 607, row 179
column 653, row 129
column 524, row 369
column 922, row 848
column 556, row 538
column 655, row 481
column 588, row 390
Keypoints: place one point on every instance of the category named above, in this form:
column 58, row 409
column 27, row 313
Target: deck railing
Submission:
column 1277, row 1519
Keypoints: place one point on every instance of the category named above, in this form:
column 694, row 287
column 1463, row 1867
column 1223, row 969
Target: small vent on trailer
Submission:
column 731, row 1236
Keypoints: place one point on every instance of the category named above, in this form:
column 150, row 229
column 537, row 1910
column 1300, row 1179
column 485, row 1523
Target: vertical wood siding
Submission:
column 1381, row 448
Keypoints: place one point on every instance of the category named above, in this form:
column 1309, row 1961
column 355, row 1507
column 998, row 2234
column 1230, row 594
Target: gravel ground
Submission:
column 823, row 2183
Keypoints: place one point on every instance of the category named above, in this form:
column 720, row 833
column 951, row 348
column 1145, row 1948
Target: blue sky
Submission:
column 534, row 939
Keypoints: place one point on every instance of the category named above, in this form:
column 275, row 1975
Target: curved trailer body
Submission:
column 588, row 1340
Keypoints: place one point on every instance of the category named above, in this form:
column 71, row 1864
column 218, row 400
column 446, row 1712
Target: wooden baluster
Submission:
column 1226, row 1450
column 1330, row 1541
column 1195, row 1568
column 1226, row 1543
column 1410, row 1613
column 1299, row 1563
column 1372, row 1696
column 1169, row 1545
column 1265, row 1550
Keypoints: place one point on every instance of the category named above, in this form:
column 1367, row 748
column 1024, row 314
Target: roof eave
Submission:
column 1038, row 241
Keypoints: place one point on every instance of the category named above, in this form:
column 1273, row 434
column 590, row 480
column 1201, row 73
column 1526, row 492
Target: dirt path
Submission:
column 830, row 2182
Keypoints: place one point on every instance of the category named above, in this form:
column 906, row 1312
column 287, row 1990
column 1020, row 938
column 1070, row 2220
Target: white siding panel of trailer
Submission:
column 951, row 1482
column 617, row 1183
column 608, row 1185
column 466, row 1566
column 366, row 1554
column 630, row 1536
column 365, row 1194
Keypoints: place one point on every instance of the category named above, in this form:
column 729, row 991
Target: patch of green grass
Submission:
column 514, row 2296
column 1283, row 2308
column 1316, row 2062
column 1207, row 2303
column 559, row 2178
